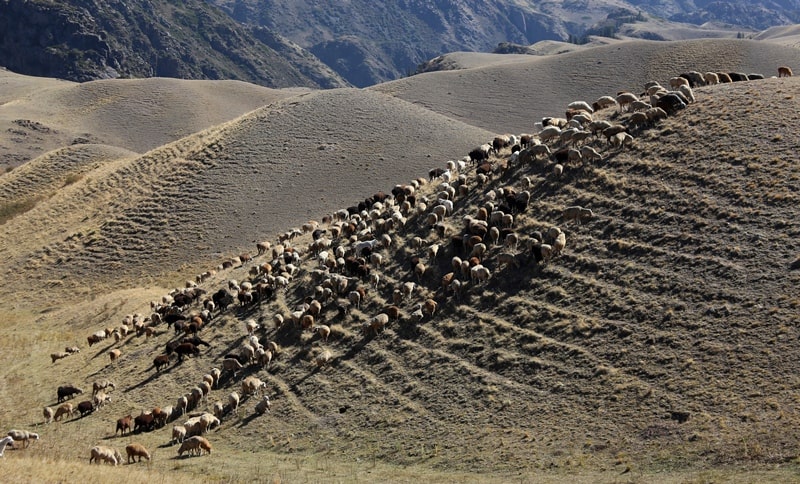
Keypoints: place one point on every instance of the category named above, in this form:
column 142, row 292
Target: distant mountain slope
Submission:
column 83, row 40
column 42, row 114
column 370, row 42
column 511, row 97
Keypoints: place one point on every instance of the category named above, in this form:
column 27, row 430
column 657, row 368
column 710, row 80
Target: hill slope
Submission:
column 510, row 97
column 40, row 114
column 661, row 340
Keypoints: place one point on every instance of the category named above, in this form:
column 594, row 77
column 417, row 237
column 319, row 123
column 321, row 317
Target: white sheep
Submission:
column 580, row 106
column 48, row 414
column 625, row 99
column 687, row 91
column 23, row 436
column 107, row 454
column 577, row 214
column 604, row 102
column 590, row 154
column 178, row 434
column 711, row 78
column 479, row 273
column 677, row 81
column 233, row 402
column 3, row 443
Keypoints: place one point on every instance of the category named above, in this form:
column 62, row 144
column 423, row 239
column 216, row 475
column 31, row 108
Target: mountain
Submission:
column 82, row 40
column 371, row 42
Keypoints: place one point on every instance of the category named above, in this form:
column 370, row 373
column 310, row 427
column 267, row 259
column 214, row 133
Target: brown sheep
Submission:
column 65, row 409
column 784, row 71
column 59, row 355
column 114, row 354
column 136, row 450
column 195, row 446
column 124, row 424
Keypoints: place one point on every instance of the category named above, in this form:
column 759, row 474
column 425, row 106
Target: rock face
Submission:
column 87, row 39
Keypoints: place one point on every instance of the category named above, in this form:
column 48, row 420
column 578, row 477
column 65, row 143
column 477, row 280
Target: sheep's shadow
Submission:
column 149, row 379
column 246, row 421
column 103, row 350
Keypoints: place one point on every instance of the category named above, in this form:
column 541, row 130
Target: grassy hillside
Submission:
column 658, row 346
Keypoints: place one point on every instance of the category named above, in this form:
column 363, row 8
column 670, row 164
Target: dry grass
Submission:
column 660, row 346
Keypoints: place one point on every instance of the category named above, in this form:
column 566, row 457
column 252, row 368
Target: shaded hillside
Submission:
column 83, row 40
column 371, row 42
column 41, row 114
column 661, row 340
column 511, row 97
column 275, row 166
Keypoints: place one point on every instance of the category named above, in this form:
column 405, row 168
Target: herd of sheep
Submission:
column 464, row 224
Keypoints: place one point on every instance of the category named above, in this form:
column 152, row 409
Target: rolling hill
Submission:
column 659, row 345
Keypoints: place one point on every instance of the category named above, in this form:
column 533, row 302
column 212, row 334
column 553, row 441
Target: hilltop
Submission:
column 658, row 345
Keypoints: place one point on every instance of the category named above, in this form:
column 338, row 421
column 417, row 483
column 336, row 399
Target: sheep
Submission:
column 100, row 399
column 547, row 134
column 178, row 434
column 181, row 405
column 676, row 82
column 96, row 337
column 784, row 71
column 59, row 355
column 604, row 102
column 208, row 421
column 687, row 91
column 620, row 140
column 195, row 445
column 233, row 402
column 323, row 359
column 323, row 331
column 252, row 386
column 429, row 307
column 102, row 385
column 638, row 119
column 597, row 127
column 136, row 450
column 64, row 409
column 624, row 99
column 590, row 154
column 577, row 214
column 711, row 78
column 232, row 365
column 263, row 406
column 48, row 414
column 376, row 323
column 695, row 78
column 505, row 258
column 114, row 354
column 68, row 391
column 143, row 422
column 3, row 443
column 23, row 436
column 215, row 374
column 123, row 424
column 160, row 361
column 106, row 454
column 479, row 273
column 251, row 326
column 655, row 114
